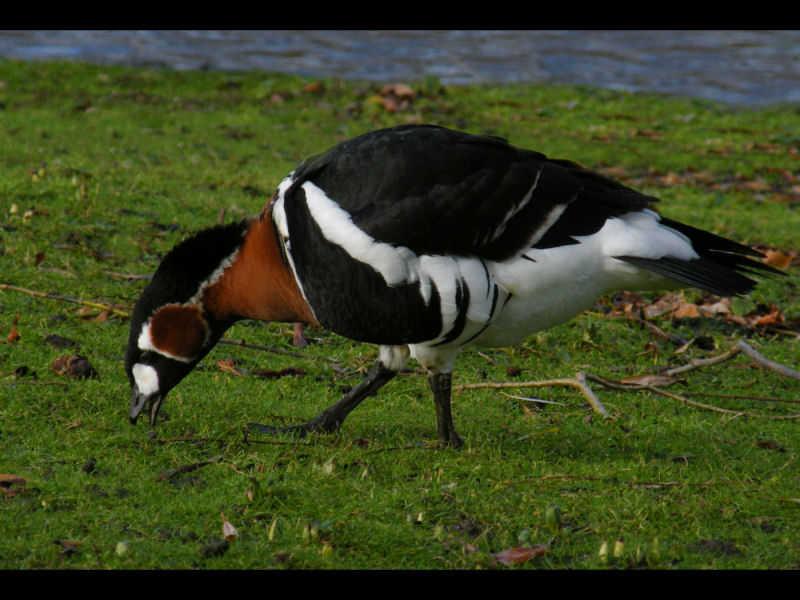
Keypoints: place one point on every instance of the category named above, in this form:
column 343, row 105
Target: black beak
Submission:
column 138, row 403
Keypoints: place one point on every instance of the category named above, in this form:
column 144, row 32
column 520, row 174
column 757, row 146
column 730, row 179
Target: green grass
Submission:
column 104, row 169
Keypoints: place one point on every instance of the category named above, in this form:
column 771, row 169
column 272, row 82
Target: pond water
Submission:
column 741, row 67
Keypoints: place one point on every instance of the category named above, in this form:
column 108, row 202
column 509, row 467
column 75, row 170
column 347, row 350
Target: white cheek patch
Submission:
column 146, row 379
column 145, row 341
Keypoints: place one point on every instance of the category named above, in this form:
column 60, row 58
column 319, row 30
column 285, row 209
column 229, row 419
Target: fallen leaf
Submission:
column 778, row 258
column 399, row 90
column 513, row 371
column 757, row 185
column 716, row 546
column 770, row 445
column 769, row 319
column 217, row 547
column 315, row 87
column 268, row 374
column 228, row 366
column 68, row 547
column 722, row 307
column 687, row 310
column 74, row 365
column 56, row 341
column 13, row 336
column 24, row 371
column 12, row 485
column 515, row 556
column 228, row 530
column 671, row 178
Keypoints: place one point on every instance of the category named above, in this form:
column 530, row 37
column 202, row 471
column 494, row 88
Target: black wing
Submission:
column 438, row 191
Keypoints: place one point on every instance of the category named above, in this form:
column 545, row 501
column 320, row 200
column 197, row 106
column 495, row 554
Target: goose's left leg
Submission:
column 438, row 361
column 440, row 386
column 390, row 362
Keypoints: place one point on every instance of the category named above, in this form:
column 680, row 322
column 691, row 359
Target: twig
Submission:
column 629, row 387
column 693, row 402
column 187, row 468
column 51, row 296
column 765, row 362
column 675, row 339
column 273, row 350
column 534, row 400
column 33, row 383
column 579, row 382
column 740, row 346
column 127, row 275
column 742, row 397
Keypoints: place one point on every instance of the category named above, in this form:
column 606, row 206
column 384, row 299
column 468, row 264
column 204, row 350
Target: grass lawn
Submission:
column 104, row 169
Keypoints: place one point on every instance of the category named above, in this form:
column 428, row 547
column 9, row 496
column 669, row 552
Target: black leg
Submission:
column 440, row 386
column 331, row 419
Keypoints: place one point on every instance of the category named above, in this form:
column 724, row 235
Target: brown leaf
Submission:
column 217, row 547
column 666, row 303
column 779, row 259
column 715, row 546
column 228, row 366
column 616, row 172
column 315, row 87
column 57, row 341
column 13, row 336
column 769, row 319
column 268, row 374
column 687, row 310
column 399, row 90
column 68, row 547
column 757, row 185
column 12, row 485
column 770, row 445
column 515, row 556
column 74, row 365
column 671, row 178
column 722, row 307
column 228, row 530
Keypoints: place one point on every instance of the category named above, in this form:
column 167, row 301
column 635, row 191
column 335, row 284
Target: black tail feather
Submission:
column 721, row 268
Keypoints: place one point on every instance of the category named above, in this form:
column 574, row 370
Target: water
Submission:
column 741, row 67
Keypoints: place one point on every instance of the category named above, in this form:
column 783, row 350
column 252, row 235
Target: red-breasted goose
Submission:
column 422, row 240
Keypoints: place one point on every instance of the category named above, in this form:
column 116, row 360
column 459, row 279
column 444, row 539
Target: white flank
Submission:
column 551, row 288
column 561, row 282
column 146, row 379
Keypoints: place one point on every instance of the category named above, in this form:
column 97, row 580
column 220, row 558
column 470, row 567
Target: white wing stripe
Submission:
column 392, row 262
